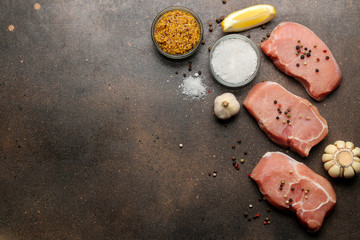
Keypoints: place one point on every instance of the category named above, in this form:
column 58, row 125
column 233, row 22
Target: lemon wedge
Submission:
column 247, row 18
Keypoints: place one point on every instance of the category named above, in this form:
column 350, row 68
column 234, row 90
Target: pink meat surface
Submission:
column 281, row 48
column 301, row 128
column 303, row 191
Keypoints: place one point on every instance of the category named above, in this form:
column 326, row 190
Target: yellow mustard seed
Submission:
column 177, row 32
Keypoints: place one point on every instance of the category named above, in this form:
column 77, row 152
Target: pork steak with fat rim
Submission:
column 288, row 120
column 300, row 53
column 291, row 185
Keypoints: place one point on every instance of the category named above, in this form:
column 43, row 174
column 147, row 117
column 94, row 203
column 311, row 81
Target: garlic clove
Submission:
column 328, row 165
column 356, row 159
column 226, row 106
column 340, row 144
column 331, row 149
column 334, row 171
column 356, row 167
column 327, row 157
column 349, row 172
column 356, row 152
column 349, row 145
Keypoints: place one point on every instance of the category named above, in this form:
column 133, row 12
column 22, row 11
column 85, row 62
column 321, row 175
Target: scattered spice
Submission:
column 218, row 20
column 199, row 72
column 263, row 26
column 275, row 101
column 250, row 206
column 37, row 6
column 245, row 153
column 249, row 35
column 316, row 70
column 302, row 57
column 292, row 189
column 211, row 29
column 210, row 24
column 176, row 72
column 315, row 46
column 181, row 145
column 209, row 173
column 318, row 59
column 233, row 146
column 224, row 1
column 239, row 140
column 249, row 175
column 324, row 51
column 11, row 28
column 233, row 158
column 184, row 75
column 210, row 48
column 298, row 65
column 222, row 18
column 327, row 57
column 246, row 214
column 242, row 160
column 202, row 42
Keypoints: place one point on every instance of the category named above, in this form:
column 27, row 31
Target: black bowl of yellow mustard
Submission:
column 177, row 32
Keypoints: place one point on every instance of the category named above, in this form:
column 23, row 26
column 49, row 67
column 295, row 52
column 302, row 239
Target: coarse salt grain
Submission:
column 193, row 87
column 234, row 60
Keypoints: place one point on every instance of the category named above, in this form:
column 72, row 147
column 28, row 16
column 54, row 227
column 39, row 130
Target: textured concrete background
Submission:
column 91, row 118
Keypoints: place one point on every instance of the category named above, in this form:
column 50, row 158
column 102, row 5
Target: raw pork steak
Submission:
column 288, row 120
column 298, row 52
column 290, row 185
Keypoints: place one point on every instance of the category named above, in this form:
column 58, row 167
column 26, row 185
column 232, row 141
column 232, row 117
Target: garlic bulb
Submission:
column 341, row 159
column 226, row 106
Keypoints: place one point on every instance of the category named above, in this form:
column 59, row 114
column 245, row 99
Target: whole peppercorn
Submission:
column 327, row 57
column 210, row 48
column 316, row 70
column 302, row 57
column 210, row 29
column 224, row 1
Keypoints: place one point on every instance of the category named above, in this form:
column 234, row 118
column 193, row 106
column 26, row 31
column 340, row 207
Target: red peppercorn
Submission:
column 265, row 222
column 325, row 51
column 279, row 105
column 258, row 215
column 249, row 175
column 236, row 165
column 209, row 174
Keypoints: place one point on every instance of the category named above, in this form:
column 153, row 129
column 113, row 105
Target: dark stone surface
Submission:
column 91, row 118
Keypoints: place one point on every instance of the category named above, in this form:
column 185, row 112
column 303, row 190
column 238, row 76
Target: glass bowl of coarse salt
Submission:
column 234, row 60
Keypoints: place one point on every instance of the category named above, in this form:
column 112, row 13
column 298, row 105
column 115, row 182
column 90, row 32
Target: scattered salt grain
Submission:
column 234, row 60
column 193, row 87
